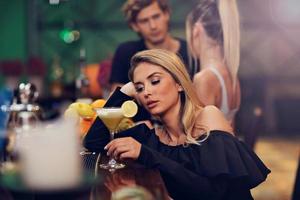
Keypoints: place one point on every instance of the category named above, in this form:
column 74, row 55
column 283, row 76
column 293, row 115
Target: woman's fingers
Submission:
column 125, row 155
column 124, row 148
column 119, row 150
column 111, row 146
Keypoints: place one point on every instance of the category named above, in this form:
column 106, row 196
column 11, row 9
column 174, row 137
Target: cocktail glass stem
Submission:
column 112, row 161
column 112, row 164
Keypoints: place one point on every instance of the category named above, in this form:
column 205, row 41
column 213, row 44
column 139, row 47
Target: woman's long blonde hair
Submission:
column 220, row 19
column 170, row 62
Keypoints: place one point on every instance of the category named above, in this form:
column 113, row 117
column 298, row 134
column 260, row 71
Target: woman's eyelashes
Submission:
column 140, row 87
column 155, row 81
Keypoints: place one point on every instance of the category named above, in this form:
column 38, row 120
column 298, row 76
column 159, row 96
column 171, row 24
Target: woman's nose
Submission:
column 147, row 90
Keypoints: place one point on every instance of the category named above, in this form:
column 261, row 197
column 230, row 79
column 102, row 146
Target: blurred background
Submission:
column 45, row 42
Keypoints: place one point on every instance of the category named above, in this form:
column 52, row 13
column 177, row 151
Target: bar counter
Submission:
column 131, row 181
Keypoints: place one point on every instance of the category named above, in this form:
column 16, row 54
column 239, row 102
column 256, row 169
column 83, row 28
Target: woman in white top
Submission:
column 213, row 37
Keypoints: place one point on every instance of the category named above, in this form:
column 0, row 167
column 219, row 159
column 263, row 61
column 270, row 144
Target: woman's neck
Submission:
column 171, row 122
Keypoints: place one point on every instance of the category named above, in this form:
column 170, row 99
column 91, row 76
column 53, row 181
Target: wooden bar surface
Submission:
column 132, row 180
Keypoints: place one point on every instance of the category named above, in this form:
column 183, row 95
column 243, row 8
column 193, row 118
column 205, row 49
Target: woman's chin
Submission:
column 154, row 111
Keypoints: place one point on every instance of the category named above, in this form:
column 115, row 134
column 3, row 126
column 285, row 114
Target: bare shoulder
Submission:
column 204, row 76
column 207, row 87
column 213, row 119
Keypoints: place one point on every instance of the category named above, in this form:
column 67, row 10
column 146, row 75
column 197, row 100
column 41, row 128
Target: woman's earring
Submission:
column 180, row 89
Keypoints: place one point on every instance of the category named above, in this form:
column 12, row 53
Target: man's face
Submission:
column 152, row 23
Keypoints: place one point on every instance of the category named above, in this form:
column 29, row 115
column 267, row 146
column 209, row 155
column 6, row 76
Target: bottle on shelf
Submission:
column 56, row 86
column 82, row 81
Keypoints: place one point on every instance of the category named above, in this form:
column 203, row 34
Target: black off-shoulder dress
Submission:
column 221, row 167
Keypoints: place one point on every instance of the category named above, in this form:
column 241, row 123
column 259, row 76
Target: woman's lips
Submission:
column 151, row 104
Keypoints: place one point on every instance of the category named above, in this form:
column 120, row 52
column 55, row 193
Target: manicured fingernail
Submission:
column 105, row 147
column 107, row 154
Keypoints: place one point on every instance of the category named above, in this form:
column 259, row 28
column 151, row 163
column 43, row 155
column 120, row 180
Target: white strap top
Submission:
column 224, row 107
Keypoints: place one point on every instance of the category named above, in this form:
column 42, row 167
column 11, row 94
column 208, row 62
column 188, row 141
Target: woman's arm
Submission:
column 98, row 135
column 181, row 182
column 212, row 118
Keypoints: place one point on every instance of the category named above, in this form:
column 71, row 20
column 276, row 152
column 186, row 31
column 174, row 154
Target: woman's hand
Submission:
column 124, row 148
column 128, row 89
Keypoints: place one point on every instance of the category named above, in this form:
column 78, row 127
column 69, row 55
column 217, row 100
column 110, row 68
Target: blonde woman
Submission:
column 194, row 147
column 213, row 37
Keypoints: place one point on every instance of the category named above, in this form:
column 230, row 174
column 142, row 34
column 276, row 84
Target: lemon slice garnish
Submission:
column 129, row 108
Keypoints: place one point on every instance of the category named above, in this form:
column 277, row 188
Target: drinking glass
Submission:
column 111, row 117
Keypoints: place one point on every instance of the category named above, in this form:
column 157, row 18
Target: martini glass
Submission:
column 111, row 117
